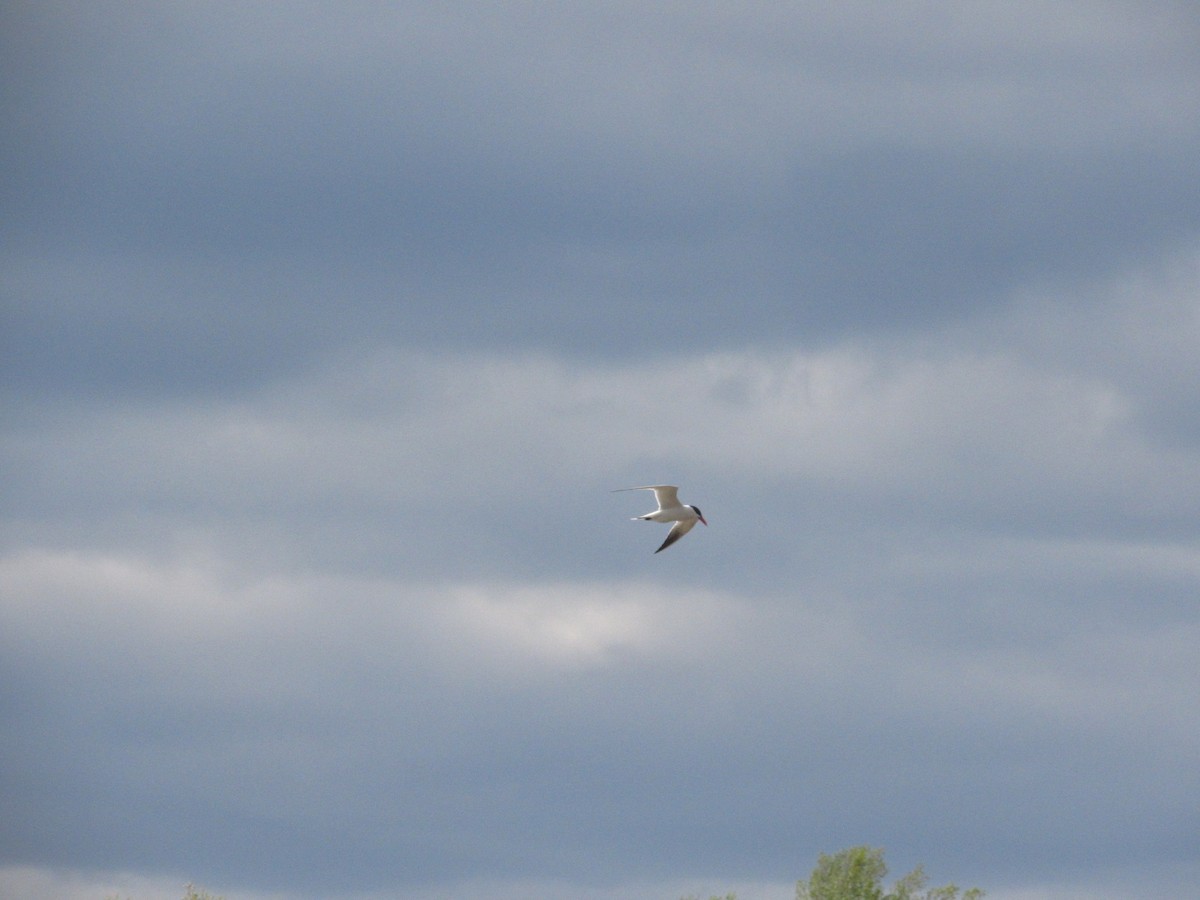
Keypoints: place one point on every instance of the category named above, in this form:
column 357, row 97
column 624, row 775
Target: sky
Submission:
column 328, row 330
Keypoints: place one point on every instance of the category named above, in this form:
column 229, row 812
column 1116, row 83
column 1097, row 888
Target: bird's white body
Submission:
column 669, row 510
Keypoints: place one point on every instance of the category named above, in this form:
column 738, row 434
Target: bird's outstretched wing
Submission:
column 667, row 495
column 678, row 530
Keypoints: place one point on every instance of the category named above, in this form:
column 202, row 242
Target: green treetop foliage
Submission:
column 858, row 873
column 854, row 874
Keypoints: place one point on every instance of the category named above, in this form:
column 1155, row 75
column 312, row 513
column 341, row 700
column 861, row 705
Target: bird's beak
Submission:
column 702, row 520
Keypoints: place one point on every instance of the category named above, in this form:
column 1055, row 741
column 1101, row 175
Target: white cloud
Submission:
column 256, row 633
column 942, row 423
column 588, row 625
column 34, row 883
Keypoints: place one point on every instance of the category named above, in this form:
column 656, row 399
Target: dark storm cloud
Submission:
column 197, row 183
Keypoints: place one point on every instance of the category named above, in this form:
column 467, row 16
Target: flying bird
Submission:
column 669, row 510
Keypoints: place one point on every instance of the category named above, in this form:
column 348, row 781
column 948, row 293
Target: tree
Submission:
column 857, row 874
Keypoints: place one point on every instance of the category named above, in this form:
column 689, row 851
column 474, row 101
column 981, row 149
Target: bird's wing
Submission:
column 678, row 530
column 667, row 495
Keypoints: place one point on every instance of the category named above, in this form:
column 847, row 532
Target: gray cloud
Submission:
column 328, row 334
column 247, row 658
column 202, row 181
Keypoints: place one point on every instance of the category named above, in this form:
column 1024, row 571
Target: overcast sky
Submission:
column 328, row 328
